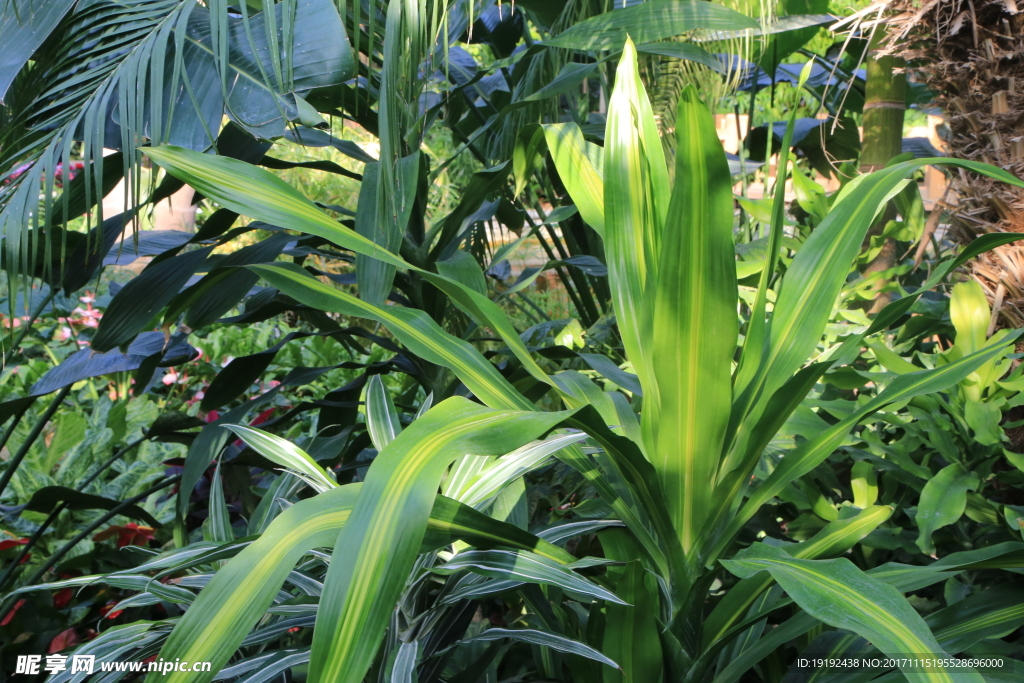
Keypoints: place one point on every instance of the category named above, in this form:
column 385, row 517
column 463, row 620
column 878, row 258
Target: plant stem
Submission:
column 14, row 462
column 64, row 549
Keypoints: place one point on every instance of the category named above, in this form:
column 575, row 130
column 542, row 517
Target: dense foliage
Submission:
column 475, row 368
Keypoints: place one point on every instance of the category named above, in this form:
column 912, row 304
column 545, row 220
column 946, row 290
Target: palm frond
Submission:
column 117, row 74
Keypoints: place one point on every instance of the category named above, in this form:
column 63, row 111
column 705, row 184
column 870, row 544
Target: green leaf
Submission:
column 259, row 194
column 479, row 489
column 969, row 312
column 636, row 198
column 777, row 638
column 834, row 539
column 650, row 21
column 217, row 527
column 383, row 535
column 286, row 454
column 404, row 669
column 864, row 484
column 381, row 417
column 840, row 595
column 413, row 328
column 631, row 629
column 544, row 639
column 24, row 25
column 238, row 595
column 580, row 166
column 943, row 501
column 48, row 498
column 527, row 568
column 990, row 613
column 144, row 296
column 808, row 455
column 694, row 321
column 818, row 273
column 462, row 267
column 687, row 51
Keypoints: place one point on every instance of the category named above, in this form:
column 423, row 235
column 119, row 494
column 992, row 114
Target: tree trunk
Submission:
column 884, row 107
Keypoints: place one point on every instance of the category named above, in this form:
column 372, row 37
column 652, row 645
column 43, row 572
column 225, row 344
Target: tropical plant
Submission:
column 678, row 460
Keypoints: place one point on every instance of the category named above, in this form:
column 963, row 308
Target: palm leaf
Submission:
column 115, row 75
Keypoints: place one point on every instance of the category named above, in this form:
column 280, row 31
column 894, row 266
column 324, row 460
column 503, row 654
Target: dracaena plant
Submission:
column 679, row 464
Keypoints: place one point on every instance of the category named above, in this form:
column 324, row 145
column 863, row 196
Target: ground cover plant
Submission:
column 372, row 467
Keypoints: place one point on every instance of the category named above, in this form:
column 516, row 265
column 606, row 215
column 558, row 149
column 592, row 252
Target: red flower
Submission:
column 10, row 615
column 63, row 641
column 105, row 610
column 129, row 534
column 9, row 543
column 263, row 417
column 62, row 597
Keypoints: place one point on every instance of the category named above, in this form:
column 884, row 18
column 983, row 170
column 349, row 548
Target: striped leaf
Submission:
column 257, row 193
column 834, row 539
column 580, row 165
column 694, row 322
column 237, row 596
column 524, row 567
column 287, row 455
column 636, row 194
column 496, row 474
column 381, row 417
column 414, row 328
column 548, row 640
column 386, row 528
column 837, row 593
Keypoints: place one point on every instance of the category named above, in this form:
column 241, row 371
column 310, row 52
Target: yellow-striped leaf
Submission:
column 694, row 323
column 840, row 595
column 384, row 533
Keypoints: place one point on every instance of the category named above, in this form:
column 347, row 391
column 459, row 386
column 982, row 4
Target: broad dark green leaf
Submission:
column 835, row 538
column 650, row 21
column 49, row 497
column 943, row 501
column 138, row 302
column 24, row 25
